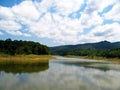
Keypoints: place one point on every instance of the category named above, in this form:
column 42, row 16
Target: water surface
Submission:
column 63, row 74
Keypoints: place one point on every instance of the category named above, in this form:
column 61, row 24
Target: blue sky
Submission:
column 60, row 22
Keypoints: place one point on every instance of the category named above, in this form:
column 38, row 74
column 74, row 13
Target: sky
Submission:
column 60, row 22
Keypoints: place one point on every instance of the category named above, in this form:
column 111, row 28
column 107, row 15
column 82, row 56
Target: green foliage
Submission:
column 22, row 47
column 101, row 49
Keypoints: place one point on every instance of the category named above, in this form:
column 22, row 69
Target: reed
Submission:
column 24, row 59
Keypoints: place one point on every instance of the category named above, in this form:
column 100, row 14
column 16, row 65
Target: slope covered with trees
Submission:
column 22, row 47
column 100, row 49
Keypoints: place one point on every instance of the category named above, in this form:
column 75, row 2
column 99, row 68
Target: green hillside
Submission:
column 102, row 49
column 11, row 47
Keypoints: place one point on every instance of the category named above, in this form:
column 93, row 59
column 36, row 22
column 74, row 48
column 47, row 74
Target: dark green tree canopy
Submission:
column 100, row 49
column 22, row 47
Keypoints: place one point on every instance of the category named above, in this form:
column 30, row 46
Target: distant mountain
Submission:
column 66, row 49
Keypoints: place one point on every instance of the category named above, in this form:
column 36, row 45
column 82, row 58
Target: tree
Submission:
column 22, row 47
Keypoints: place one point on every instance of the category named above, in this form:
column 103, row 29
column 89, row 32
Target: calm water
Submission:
column 63, row 74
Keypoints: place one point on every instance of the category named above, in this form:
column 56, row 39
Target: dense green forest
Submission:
column 22, row 47
column 100, row 49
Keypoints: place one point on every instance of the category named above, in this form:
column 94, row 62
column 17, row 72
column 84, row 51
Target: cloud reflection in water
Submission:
column 62, row 77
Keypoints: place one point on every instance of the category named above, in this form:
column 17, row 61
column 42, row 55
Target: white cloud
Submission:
column 38, row 19
column 44, row 6
column 98, row 5
column 6, row 13
column 108, row 32
column 68, row 25
column 65, row 7
column 27, row 10
column 1, row 33
column 90, row 20
column 57, row 29
column 12, row 28
column 114, row 14
column 9, row 25
column 18, row 33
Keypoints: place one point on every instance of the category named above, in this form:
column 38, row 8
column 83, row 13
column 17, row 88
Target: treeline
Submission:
column 89, row 51
column 99, row 49
column 22, row 47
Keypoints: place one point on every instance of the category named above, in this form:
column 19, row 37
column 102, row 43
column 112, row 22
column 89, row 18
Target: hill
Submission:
column 22, row 47
column 103, row 48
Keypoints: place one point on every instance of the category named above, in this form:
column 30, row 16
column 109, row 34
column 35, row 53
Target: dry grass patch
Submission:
column 22, row 59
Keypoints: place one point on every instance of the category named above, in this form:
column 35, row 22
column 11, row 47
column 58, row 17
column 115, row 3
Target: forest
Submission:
column 19, row 47
column 101, row 49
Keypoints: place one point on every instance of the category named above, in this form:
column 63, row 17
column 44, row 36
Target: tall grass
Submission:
column 24, row 63
column 24, row 59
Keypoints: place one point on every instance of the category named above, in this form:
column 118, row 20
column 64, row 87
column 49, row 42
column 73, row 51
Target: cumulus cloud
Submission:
column 6, row 13
column 90, row 20
column 65, row 7
column 9, row 25
column 1, row 33
column 27, row 10
column 51, row 19
column 108, row 32
column 114, row 14
column 98, row 6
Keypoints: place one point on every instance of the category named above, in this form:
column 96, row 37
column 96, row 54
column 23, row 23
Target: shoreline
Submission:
column 114, row 60
column 25, row 59
column 46, row 58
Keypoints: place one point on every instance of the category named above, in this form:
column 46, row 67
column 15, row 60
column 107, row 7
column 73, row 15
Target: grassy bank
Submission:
column 115, row 60
column 24, row 59
column 24, row 63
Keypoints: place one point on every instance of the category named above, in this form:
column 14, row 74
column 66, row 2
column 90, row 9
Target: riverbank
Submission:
column 114, row 60
column 24, row 59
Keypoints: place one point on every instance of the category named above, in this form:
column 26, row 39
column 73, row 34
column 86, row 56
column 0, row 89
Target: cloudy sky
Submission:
column 60, row 22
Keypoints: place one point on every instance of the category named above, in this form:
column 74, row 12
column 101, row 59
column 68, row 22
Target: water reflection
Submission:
column 28, row 68
column 62, row 76
column 101, row 65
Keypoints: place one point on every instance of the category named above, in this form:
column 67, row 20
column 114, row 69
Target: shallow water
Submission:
column 63, row 74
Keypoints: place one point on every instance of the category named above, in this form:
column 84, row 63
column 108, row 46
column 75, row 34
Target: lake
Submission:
column 62, row 74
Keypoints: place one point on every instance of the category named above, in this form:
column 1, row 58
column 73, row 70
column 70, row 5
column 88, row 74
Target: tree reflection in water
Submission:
column 24, row 68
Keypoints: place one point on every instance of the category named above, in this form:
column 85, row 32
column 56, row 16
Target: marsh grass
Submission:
column 24, row 63
column 24, row 59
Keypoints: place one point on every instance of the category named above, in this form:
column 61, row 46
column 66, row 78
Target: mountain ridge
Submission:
column 101, row 42
column 103, row 45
